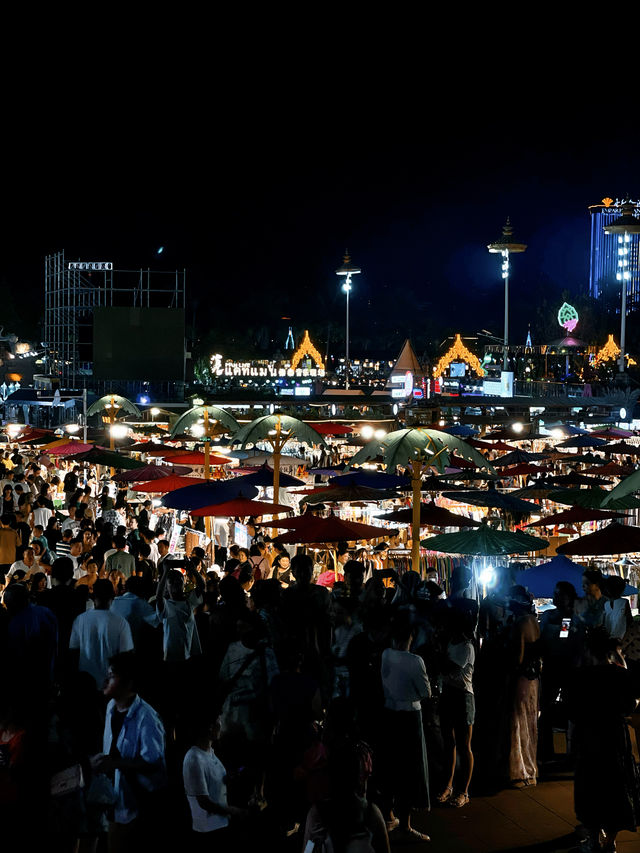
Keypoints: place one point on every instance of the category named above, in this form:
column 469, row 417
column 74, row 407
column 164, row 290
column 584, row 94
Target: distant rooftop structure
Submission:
column 614, row 258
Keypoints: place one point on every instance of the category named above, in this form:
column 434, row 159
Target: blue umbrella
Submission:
column 541, row 580
column 371, row 479
column 582, row 441
column 461, row 430
column 208, row 493
column 263, row 476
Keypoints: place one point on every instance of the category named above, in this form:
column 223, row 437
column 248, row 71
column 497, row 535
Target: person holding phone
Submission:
column 560, row 647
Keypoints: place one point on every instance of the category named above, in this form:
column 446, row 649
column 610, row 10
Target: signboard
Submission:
column 458, row 369
column 408, row 383
column 220, row 367
column 96, row 266
column 175, row 537
column 241, row 535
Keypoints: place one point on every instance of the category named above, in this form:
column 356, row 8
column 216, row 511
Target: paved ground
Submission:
column 538, row 820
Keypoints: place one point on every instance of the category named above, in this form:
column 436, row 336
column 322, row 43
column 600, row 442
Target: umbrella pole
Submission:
column 416, row 482
column 208, row 524
column 277, row 448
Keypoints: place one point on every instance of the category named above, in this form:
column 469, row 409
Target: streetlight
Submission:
column 624, row 226
column 505, row 248
column 347, row 270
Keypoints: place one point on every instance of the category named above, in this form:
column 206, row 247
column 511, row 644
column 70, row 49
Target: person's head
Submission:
column 67, row 535
column 38, row 531
column 175, row 584
column 38, row 548
column 135, row 585
column 302, row 568
column 343, row 553
column 88, row 536
column 255, row 551
column 243, row 555
column 401, row 631
column 251, row 628
column 5, row 520
column 234, row 550
column 90, row 565
column 519, row 600
column 592, row 583
column 163, row 547
column 16, row 598
column 231, row 565
column 62, row 571
column 282, row 563
column 103, row 594
column 354, row 576
column 119, row 542
column 76, row 547
column 144, row 551
column 72, row 511
column 28, row 558
column 121, row 676
column 614, row 586
column 460, row 579
column 245, row 578
column 599, row 647
column 18, row 576
column 38, row 582
column 564, row 596
column 7, row 493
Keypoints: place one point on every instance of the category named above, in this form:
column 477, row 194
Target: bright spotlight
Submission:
column 623, row 414
column 557, row 433
column 119, row 430
column 72, row 428
column 197, row 430
column 155, row 412
column 379, row 434
column 487, row 576
column 367, row 432
column 517, row 427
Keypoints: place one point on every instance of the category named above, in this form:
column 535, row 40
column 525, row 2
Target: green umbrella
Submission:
column 416, row 448
column 276, row 430
column 214, row 413
column 625, row 487
column 121, row 403
column 593, row 499
column 485, row 541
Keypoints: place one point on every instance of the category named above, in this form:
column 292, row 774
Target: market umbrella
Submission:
column 213, row 414
column 622, row 448
column 626, row 487
column 195, row 457
column 430, row 515
column 340, row 494
column 459, row 462
column 511, row 435
column 495, row 499
column 575, row 479
column 596, row 498
column 583, row 441
column 485, row 444
column 523, row 470
column 329, row 428
column 576, row 515
column 101, row 456
column 121, row 403
column 466, row 475
column 207, row 493
column 370, row 479
column 241, row 506
column 579, row 458
column 69, row 448
column 155, row 448
column 32, row 434
column 612, row 432
column 610, row 468
column 151, row 472
column 537, row 490
column 462, row 430
column 262, row 475
column 318, row 531
column 167, row 484
column 541, row 580
column 485, row 542
column 615, row 538
column 519, row 456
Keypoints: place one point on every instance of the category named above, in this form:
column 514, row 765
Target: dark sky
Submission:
column 257, row 198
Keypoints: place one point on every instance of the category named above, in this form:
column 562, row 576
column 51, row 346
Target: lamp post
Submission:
column 506, row 247
column 624, row 226
column 347, row 270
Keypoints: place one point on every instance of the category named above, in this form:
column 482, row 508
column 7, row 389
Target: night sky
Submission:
column 258, row 201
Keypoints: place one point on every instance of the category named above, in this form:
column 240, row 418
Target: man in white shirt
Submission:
column 99, row 634
column 27, row 562
column 75, row 552
column 70, row 523
column 204, row 784
column 41, row 514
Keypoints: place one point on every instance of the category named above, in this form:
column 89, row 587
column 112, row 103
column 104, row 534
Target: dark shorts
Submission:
column 457, row 708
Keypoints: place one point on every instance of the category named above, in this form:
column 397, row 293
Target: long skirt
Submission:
column 406, row 771
column 524, row 730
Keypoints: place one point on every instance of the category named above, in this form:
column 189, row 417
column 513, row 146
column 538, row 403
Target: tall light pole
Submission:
column 624, row 226
column 347, row 270
column 505, row 248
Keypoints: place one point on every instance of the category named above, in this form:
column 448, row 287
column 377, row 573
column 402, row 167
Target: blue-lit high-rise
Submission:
column 614, row 258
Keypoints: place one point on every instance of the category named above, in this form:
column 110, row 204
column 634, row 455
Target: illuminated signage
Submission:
column 265, row 369
column 568, row 317
column 98, row 266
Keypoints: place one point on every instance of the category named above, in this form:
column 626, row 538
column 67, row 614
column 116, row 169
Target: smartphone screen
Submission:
column 564, row 630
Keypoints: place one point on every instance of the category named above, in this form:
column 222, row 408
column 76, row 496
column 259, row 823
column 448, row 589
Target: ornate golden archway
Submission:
column 306, row 348
column 458, row 352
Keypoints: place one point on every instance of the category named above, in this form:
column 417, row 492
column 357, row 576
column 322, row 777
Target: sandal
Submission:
column 393, row 824
column 459, row 800
column 409, row 836
column 445, row 796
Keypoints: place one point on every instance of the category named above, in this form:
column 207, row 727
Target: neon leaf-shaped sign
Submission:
column 568, row 317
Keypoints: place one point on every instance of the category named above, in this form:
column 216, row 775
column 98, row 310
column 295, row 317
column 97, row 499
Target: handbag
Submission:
column 67, row 781
column 101, row 791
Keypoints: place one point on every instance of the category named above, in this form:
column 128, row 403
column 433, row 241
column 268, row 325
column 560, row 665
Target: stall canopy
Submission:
column 207, row 493
column 485, row 542
column 615, row 538
column 576, row 515
column 541, row 580
column 430, row 515
column 319, row 531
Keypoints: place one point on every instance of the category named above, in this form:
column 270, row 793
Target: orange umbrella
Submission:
column 167, row 484
column 195, row 457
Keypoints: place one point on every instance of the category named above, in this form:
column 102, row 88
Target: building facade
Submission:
column 613, row 259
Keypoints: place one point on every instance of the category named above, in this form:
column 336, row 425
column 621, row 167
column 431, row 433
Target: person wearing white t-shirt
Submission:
column 99, row 634
column 204, row 784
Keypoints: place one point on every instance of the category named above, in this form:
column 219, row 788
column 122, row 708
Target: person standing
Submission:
column 134, row 754
column 8, row 544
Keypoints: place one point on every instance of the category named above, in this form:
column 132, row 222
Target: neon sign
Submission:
column 568, row 317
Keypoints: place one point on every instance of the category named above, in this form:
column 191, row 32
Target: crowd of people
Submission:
column 237, row 701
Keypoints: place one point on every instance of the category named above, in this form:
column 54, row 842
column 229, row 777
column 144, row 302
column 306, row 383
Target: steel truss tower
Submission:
column 71, row 294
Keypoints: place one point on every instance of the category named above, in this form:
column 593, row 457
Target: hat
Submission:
column 381, row 546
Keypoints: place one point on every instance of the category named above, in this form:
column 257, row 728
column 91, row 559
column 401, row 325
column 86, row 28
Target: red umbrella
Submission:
column 430, row 515
column 167, row 484
column 576, row 515
column 31, row 434
column 459, row 462
column 70, row 448
column 490, row 445
column 610, row 468
column 241, row 507
column 151, row 472
column 316, row 530
column 152, row 448
column 612, row 432
column 622, row 448
column 328, row 428
column 195, row 457
column 614, row 539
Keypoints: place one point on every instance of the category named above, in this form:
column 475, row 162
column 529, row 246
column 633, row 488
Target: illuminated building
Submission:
column 614, row 257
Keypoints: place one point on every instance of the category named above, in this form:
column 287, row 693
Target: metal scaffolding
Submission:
column 72, row 293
